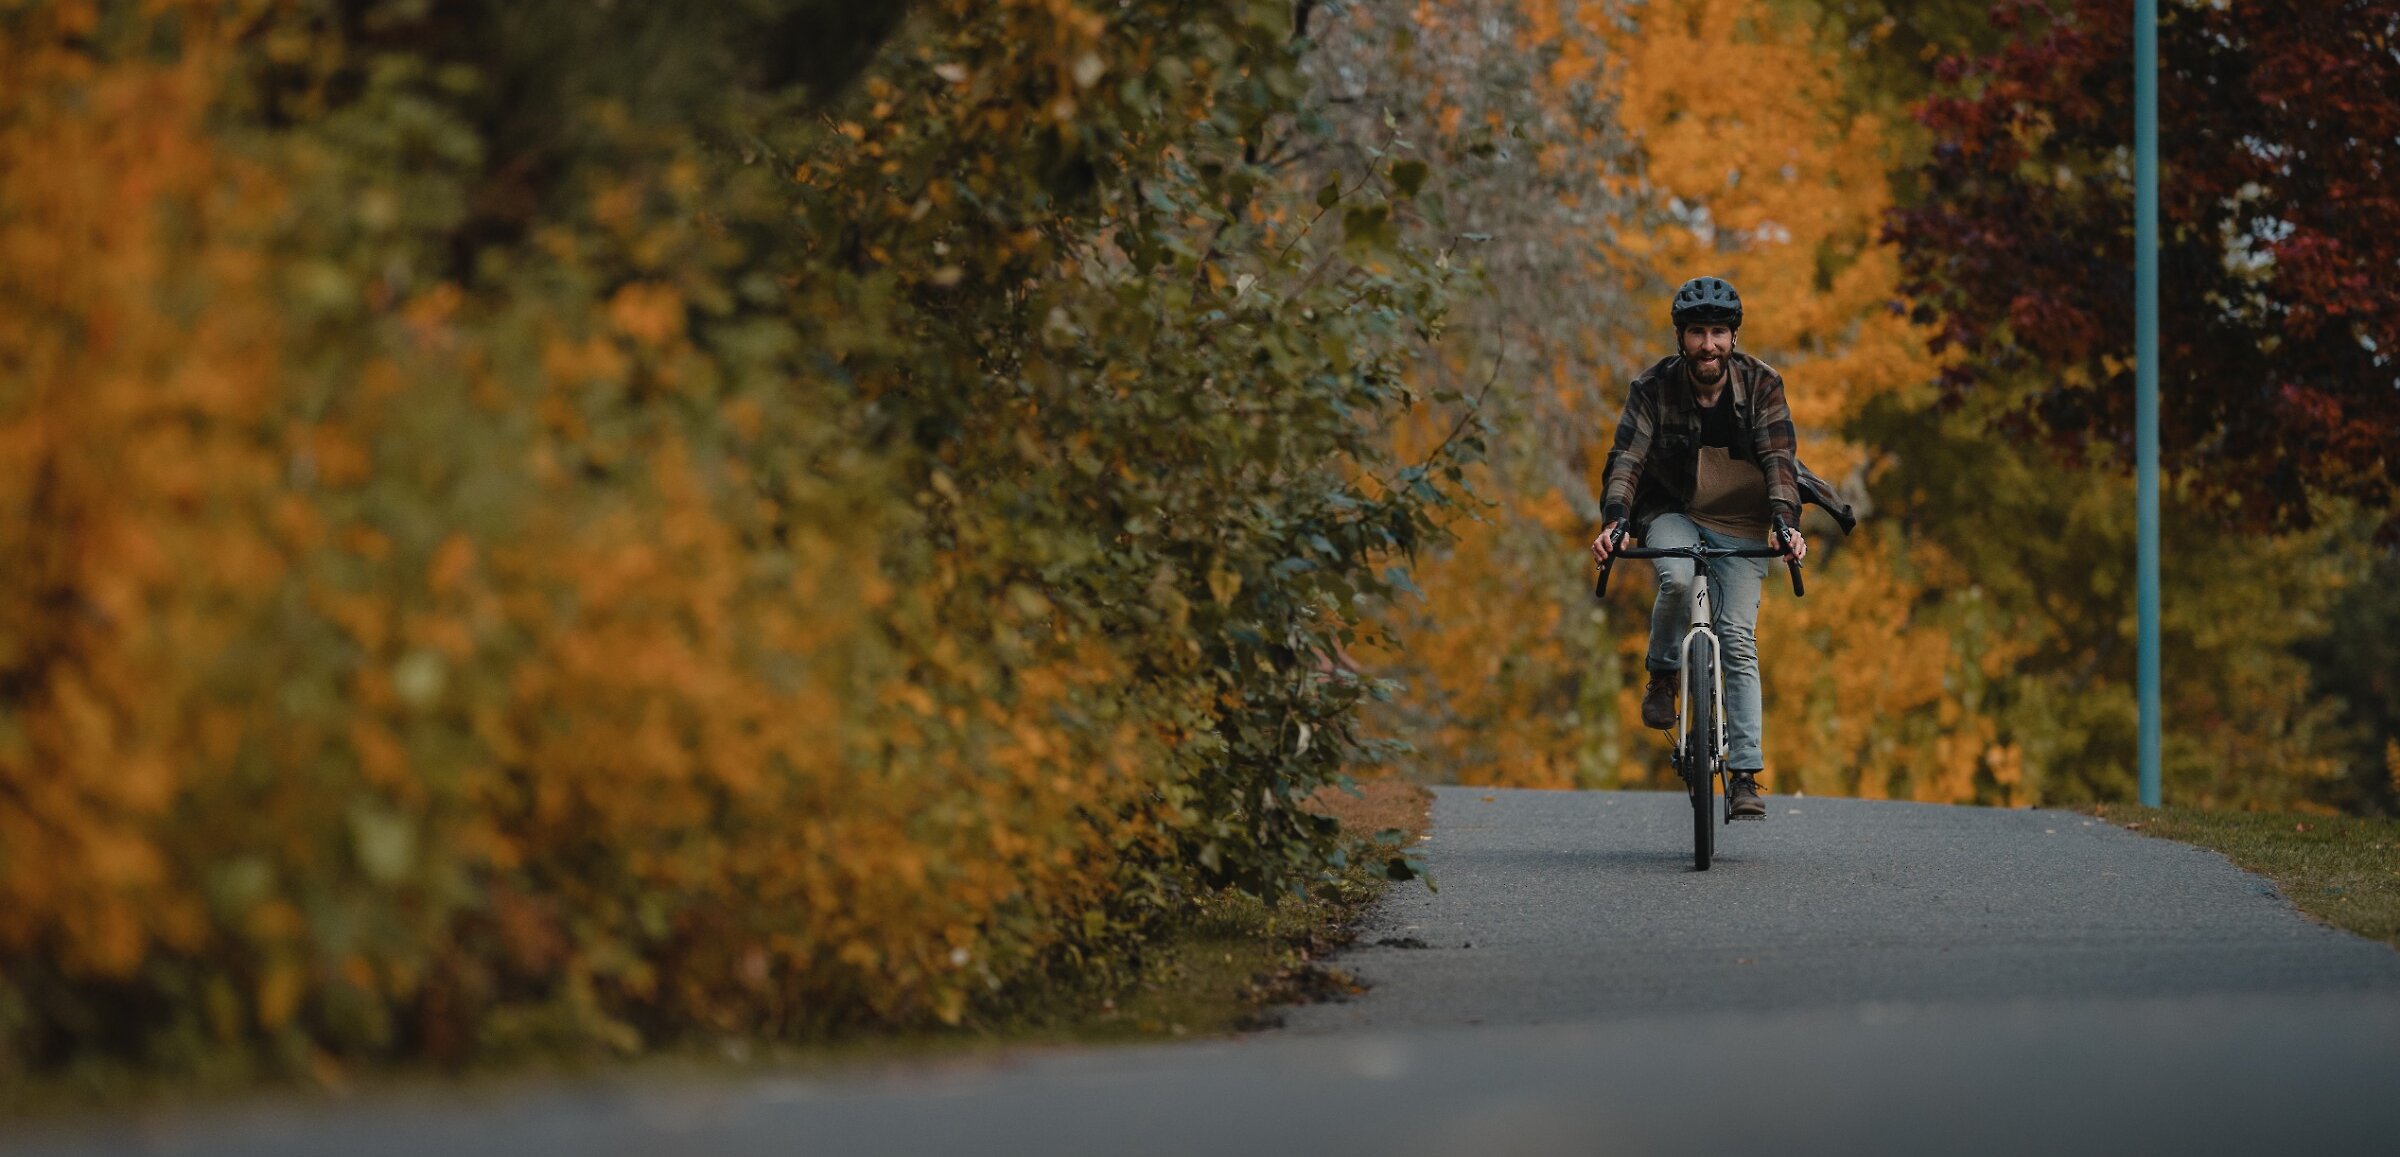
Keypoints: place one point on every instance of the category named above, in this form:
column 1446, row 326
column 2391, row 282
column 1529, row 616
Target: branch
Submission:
column 1471, row 411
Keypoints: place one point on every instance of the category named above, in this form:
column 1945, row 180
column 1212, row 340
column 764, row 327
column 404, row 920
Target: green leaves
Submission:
column 1399, row 865
column 1368, row 228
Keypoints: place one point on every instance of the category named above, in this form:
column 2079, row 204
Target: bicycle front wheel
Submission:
column 1700, row 755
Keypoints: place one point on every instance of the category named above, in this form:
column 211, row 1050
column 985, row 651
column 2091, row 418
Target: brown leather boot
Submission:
column 1658, row 701
column 1741, row 795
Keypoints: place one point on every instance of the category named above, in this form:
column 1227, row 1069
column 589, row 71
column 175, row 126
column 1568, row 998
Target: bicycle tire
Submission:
column 1700, row 757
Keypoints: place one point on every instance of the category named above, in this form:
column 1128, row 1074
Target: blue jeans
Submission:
column 1733, row 591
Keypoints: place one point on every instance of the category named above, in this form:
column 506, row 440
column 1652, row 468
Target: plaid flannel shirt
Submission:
column 1654, row 466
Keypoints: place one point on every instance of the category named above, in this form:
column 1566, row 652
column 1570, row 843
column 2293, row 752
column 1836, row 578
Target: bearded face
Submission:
column 1706, row 347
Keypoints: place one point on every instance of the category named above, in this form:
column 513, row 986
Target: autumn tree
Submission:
column 1969, row 641
column 1510, row 105
column 2279, row 132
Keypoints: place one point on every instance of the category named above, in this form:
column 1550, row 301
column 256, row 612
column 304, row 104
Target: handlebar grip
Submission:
column 1782, row 531
column 1600, row 583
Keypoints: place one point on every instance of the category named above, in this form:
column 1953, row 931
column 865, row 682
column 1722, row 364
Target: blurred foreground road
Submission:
column 1852, row 977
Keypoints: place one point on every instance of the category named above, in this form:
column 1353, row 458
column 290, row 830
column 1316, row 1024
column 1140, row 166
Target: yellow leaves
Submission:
column 1779, row 186
column 121, row 860
column 1775, row 177
column 333, row 456
column 2006, row 764
column 109, row 941
column 950, row 1004
column 913, row 697
column 1748, row 150
column 1034, row 742
column 1223, row 583
column 328, row 578
column 280, row 987
column 145, row 784
column 382, row 760
column 746, row 418
column 576, row 363
column 451, row 564
column 648, row 313
column 1572, row 66
column 431, row 316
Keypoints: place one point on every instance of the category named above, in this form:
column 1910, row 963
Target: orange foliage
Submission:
column 383, row 674
column 1872, row 686
column 133, row 342
column 1775, row 187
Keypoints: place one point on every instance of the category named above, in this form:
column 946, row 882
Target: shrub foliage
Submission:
column 566, row 526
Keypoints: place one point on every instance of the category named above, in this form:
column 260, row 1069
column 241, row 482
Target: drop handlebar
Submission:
column 1696, row 554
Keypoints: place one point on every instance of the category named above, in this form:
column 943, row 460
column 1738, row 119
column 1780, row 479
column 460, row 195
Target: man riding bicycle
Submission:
column 1705, row 454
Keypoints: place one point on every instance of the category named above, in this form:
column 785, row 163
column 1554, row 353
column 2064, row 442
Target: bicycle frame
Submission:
column 1702, row 630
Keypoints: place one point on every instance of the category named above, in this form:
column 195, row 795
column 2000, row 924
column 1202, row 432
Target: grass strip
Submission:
column 1230, row 967
column 2343, row 870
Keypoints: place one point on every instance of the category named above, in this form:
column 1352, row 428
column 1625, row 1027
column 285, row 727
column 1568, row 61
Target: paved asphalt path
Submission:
column 1585, row 905
column 1852, row 977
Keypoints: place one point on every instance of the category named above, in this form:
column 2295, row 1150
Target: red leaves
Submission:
column 2308, row 407
column 2280, row 135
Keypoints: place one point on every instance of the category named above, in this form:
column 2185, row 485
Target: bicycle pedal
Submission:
column 1753, row 819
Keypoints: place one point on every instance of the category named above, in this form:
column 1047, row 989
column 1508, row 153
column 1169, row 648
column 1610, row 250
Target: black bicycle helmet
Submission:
column 1707, row 301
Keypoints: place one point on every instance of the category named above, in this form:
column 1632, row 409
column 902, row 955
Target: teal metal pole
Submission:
column 2145, row 401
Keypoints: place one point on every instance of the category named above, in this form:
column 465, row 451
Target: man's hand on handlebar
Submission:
column 1794, row 548
column 1611, row 539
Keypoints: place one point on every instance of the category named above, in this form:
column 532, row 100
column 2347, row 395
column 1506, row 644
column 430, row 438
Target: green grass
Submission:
column 1223, row 973
column 2343, row 870
column 1237, row 958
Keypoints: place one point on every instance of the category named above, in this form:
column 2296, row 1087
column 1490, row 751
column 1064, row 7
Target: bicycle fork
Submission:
column 1702, row 630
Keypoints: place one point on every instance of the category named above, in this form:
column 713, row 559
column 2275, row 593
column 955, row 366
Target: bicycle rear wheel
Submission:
column 1700, row 755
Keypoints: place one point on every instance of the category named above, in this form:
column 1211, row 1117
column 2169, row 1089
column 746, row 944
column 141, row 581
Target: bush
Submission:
column 566, row 528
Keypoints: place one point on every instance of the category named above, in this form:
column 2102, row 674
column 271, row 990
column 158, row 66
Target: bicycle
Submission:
column 1700, row 744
